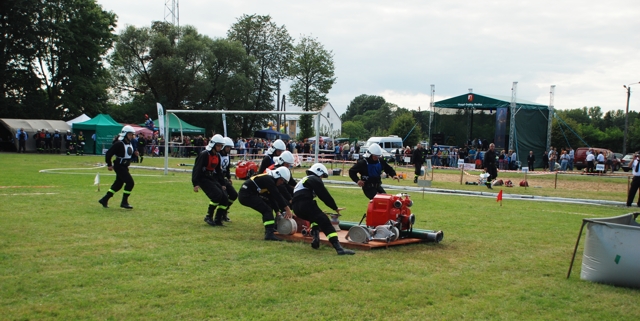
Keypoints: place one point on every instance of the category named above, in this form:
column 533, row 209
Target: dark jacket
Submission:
column 207, row 166
column 265, row 184
column 310, row 187
column 370, row 170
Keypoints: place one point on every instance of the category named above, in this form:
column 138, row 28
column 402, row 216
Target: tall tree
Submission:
column 404, row 125
column 53, row 56
column 312, row 71
column 362, row 104
column 270, row 46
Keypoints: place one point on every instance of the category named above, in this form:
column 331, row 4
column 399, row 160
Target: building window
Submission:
column 328, row 115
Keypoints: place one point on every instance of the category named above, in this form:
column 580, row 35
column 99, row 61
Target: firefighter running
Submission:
column 266, row 184
column 370, row 167
column 306, row 208
column 207, row 175
column 123, row 150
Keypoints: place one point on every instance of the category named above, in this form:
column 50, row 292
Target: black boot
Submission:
column 209, row 220
column 336, row 245
column 125, row 202
column 105, row 200
column 219, row 215
column 315, row 233
column 415, row 179
column 268, row 234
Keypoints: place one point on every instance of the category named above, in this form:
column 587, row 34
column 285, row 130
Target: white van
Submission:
column 387, row 143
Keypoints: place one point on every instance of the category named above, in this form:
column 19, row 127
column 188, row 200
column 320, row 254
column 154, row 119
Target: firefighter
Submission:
column 231, row 191
column 123, row 150
column 48, row 147
column 80, row 142
column 370, row 166
column 207, row 175
column 67, row 142
column 142, row 146
column 57, row 141
column 266, row 184
column 306, row 208
column 40, row 140
column 286, row 160
column 275, row 150
column 417, row 158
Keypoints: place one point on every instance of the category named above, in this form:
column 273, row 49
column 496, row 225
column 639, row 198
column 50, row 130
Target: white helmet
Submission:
column 228, row 142
column 319, row 170
column 279, row 145
column 285, row 157
column 125, row 130
column 374, row 149
column 216, row 139
column 281, row 172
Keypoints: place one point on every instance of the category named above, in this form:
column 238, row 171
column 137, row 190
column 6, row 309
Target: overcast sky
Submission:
column 397, row 49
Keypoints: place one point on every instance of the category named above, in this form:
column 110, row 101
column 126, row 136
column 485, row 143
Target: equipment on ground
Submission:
column 389, row 218
column 246, row 169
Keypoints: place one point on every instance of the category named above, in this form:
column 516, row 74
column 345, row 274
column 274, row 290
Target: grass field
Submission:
column 64, row 257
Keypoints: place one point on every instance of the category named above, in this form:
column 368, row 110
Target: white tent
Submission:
column 31, row 126
column 79, row 119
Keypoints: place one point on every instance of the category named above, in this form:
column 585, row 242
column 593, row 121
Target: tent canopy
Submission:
column 104, row 128
column 31, row 126
column 531, row 120
column 177, row 126
column 270, row 134
column 144, row 131
column 79, row 119
column 485, row 102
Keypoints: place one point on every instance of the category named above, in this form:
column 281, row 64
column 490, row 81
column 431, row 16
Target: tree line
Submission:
column 62, row 58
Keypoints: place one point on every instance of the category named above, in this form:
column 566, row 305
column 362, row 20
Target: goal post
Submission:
column 254, row 112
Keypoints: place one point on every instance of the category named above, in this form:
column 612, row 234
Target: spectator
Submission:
column 22, row 137
column 531, row 159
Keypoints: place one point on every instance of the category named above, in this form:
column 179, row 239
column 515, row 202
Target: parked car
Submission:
column 580, row 156
column 616, row 161
column 626, row 161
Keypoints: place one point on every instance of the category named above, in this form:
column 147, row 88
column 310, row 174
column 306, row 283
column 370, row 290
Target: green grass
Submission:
column 64, row 257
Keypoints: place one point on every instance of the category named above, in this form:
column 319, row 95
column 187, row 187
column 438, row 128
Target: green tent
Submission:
column 177, row 126
column 104, row 128
column 531, row 121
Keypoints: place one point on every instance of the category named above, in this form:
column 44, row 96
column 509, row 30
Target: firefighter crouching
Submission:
column 306, row 208
column 207, row 175
column 266, row 184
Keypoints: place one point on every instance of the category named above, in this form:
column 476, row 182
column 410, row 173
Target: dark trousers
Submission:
column 493, row 172
column 635, row 184
column 214, row 192
column 21, row 146
column 530, row 166
column 372, row 189
column 254, row 201
column 123, row 177
column 231, row 192
column 309, row 210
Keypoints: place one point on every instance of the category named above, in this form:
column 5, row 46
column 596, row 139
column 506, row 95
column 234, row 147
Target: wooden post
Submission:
column 525, row 179
column 461, row 173
column 555, row 186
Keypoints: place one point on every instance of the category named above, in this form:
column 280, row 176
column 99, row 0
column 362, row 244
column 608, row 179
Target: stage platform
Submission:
column 298, row 237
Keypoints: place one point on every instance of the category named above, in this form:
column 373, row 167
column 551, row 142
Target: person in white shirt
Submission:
column 590, row 158
column 635, row 182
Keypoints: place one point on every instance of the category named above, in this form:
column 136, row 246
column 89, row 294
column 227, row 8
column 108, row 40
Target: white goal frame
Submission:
column 253, row 112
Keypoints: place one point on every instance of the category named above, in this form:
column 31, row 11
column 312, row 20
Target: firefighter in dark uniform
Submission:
column 123, row 150
column 80, row 141
column 57, row 141
column 68, row 139
column 231, row 191
column 489, row 163
column 48, row 146
column 275, row 150
column 207, row 175
column 40, row 140
column 370, row 167
column 418, row 159
column 286, row 160
column 266, row 183
column 306, row 208
column 142, row 145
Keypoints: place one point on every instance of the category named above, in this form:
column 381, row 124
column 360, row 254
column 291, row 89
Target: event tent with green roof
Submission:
column 177, row 126
column 528, row 121
column 105, row 129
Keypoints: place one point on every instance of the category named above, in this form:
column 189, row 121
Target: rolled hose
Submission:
column 427, row 235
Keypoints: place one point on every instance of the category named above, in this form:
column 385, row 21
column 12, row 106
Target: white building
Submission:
column 330, row 123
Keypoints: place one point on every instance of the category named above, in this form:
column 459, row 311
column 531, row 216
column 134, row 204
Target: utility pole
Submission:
column 552, row 94
column 626, row 119
column 172, row 12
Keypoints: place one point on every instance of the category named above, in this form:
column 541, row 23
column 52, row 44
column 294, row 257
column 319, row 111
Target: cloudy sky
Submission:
column 397, row 49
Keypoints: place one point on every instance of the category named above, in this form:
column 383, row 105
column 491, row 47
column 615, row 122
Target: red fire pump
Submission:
column 246, row 169
column 389, row 218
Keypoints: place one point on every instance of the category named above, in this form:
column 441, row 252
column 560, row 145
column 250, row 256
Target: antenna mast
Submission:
column 552, row 94
column 512, row 127
column 172, row 12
